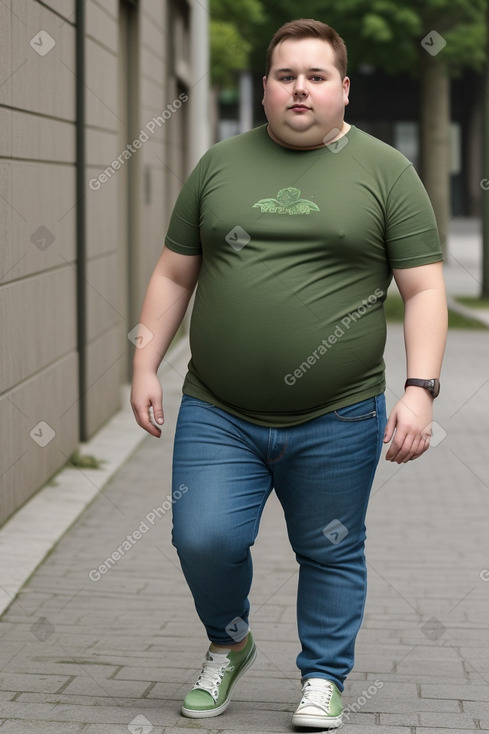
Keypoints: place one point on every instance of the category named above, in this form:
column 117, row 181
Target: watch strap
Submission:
column 433, row 385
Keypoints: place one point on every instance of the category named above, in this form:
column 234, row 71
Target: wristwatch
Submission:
column 433, row 386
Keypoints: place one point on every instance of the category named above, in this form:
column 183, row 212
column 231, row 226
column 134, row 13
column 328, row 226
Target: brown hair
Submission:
column 309, row 28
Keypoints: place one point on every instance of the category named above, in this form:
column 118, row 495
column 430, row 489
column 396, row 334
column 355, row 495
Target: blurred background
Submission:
column 106, row 106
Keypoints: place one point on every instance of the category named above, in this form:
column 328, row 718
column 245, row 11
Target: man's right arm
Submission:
column 165, row 303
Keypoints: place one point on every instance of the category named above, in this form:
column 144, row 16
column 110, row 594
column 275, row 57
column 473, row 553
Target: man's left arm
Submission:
column 425, row 329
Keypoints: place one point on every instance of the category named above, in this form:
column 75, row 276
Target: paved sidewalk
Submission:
column 115, row 655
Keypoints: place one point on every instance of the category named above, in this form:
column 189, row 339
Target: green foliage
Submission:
column 394, row 313
column 232, row 27
column 85, row 461
column 466, row 42
column 473, row 301
column 388, row 33
column 377, row 28
column 229, row 52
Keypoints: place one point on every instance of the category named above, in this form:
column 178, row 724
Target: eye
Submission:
column 316, row 78
column 286, row 78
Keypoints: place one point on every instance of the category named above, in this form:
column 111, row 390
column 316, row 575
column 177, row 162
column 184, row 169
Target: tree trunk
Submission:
column 435, row 138
column 484, row 184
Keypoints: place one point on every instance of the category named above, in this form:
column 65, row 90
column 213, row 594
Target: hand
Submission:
column 410, row 424
column 146, row 392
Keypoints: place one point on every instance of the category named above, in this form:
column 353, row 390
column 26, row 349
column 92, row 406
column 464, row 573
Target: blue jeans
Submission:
column 322, row 472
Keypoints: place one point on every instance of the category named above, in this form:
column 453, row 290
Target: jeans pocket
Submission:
column 361, row 411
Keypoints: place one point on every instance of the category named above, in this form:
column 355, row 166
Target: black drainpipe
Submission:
column 81, row 214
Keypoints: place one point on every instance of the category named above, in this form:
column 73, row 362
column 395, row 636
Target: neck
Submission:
column 345, row 127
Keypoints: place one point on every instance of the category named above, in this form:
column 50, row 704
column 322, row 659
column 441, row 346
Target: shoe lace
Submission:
column 211, row 675
column 318, row 694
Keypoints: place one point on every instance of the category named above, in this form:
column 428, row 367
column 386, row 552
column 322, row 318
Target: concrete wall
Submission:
column 39, row 363
column 48, row 336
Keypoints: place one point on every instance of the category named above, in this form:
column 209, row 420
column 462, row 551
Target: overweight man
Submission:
column 292, row 233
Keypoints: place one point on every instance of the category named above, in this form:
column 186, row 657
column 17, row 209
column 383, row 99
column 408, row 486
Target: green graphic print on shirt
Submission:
column 288, row 201
column 288, row 321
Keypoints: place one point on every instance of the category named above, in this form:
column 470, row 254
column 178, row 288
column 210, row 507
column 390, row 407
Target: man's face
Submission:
column 304, row 95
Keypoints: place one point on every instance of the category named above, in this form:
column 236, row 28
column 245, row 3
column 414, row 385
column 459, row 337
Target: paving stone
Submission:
column 449, row 721
column 353, row 729
column 38, row 727
column 477, row 708
column 404, row 719
column 434, row 669
column 162, row 675
column 464, row 693
column 381, row 704
column 118, row 729
column 89, row 686
column 358, row 719
column 165, row 715
column 387, row 689
column 32, row 682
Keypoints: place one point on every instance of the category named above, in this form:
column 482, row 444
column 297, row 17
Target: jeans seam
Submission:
column 277, row 458
column 256, row 525
column 356, row 418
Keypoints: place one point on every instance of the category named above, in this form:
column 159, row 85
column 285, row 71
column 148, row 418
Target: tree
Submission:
column 485, row 172
column 232, row 27
column 433, row 39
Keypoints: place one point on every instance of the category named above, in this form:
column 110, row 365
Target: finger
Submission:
column 396, row 445
column 401, row 448
column 142, row 416
column 151, row 423
column 157, row 412
column 389, row 429
column 418, row 447
column 423, row 445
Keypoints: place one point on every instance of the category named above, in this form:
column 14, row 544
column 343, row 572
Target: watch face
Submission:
column 435, row 389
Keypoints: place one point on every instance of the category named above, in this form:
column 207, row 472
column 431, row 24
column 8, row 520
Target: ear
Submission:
column 346, row 90
column 264, row 88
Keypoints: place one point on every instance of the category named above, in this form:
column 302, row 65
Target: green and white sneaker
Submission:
column 320, row 705
column 211, row 694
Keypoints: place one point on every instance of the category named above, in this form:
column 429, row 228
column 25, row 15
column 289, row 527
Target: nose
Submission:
column 300, row 87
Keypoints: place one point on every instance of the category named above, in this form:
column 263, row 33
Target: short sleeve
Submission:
column 183, row 235
column 411, row 233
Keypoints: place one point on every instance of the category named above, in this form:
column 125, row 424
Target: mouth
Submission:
column 299, row 107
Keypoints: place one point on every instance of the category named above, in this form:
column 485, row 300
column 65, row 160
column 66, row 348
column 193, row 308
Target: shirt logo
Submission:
column 288, row 201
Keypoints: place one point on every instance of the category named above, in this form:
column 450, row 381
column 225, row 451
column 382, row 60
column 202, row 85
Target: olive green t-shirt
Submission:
column 297, row 255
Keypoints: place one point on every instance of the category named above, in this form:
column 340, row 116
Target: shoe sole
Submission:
column 207, row 714
column 318, row 722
